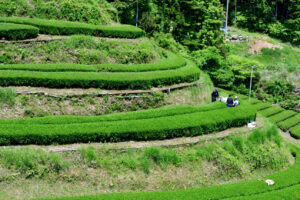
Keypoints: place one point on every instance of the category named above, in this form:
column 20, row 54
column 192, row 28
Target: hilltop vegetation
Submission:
column 83, row 100
column 90, row 11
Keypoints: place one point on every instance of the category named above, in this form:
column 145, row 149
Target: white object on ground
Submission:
column 270, row 182
column 223, row 99
column 252, row 125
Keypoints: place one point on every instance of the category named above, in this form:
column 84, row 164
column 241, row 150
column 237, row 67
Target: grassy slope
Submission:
column 243, row 190
column 92, row 11
column 82, row 50
column 91, row 171
column 279, row 63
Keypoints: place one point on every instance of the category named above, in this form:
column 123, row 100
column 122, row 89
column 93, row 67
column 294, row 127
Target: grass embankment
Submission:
column 130, row 126
column 284, row 187
column 91, row 171
column 17, row 32
column 77, row 49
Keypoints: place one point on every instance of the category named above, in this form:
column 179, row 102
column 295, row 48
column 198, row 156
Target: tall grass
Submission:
column 7, row 96
column 32, row 162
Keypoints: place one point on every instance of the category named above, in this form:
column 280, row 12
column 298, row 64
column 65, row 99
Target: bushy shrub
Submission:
column 166, row 41
column 208, row 59
column 10, row 31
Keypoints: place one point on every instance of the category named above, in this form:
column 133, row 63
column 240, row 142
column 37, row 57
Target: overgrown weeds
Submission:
column 7, row 96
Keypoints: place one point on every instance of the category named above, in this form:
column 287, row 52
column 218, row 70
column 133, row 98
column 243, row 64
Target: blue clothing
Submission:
column 229, row 105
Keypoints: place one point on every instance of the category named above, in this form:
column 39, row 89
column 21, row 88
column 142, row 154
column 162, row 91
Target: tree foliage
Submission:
column 193, row 23
column 279, row 18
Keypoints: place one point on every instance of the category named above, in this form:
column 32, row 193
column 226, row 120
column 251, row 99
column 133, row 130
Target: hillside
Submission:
column 92, row 11
column 113, row 100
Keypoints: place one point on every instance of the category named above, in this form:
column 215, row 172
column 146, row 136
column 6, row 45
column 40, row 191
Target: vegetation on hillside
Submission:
column 91, row 11
column 81, row 50
column 278, row 18
column 211, row 163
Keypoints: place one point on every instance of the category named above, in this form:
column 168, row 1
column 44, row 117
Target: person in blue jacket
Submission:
column 229, row 101
column 214, row 95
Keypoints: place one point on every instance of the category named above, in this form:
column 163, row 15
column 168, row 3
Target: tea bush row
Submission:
column 288, row 188
column 104, row 80
column 295, row 132
column 57, row 27
column 271, row 111
column 289, row 123
column 143, row 114
column 10, row 31
column 191, row 124
column 171, row 61
column 262, row 106
column 282, row 116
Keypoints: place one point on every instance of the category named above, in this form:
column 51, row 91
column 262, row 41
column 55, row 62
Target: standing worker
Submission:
column 214, row 95
column 229, row 101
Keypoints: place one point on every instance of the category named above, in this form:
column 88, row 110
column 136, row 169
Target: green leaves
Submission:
column 10, row 31
column 56, row 27
column 128, row 126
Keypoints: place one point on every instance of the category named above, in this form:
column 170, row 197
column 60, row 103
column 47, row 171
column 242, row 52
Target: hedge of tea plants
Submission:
column 295, row 131
column 171, row 61
column 10, row 31
column 147, row 125
column 104, row 80
column 57, row 27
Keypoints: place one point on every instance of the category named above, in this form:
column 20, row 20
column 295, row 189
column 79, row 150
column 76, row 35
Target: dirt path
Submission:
column 49, row 38
column 93, row 91
column 287, row 137
column 256, row 45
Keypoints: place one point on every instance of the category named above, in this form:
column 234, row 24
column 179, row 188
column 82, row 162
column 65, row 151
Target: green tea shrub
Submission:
column 56, row 27
column 105, row 80
column 295, row 132
column 271, row 111
column 289, row 123
column 282, row 116
column 171, row 61
column 125, row 130
column 10, row 31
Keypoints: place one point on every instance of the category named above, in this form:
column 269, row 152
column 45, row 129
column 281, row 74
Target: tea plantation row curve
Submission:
column 10, row 31
column 104, row 80
column 171, row 61
column 190, row 124
column 143, row 114
column 285, row 182
column 57, row 27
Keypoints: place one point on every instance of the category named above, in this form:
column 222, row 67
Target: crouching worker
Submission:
column 229, row 101
column 214, row 95
column 236, row 102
